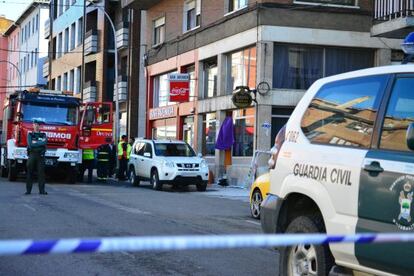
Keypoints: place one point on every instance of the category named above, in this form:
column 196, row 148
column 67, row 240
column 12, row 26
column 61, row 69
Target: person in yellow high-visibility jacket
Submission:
column 124, row 152
column 88, row 162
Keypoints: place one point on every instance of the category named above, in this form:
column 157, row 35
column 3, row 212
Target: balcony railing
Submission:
column 122, row 35
column 45, row 69
column 89, row 91
column 91, row 42
column 390, row 9
column 122, row 89
column 47, row 29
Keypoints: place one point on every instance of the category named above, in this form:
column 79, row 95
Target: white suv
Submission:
column 166, row 162
column 344, row 164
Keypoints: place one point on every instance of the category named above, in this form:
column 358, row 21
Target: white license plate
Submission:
column 189, row 174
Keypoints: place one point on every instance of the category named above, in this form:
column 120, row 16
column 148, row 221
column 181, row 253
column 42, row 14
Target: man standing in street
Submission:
column 88, row 162
column 124, row 151
column 36, row 150
column 104, row 155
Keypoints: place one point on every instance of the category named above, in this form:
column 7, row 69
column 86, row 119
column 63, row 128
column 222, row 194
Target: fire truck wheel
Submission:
column 12, row 173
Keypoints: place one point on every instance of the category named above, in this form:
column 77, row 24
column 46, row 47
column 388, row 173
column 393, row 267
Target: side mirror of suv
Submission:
column 410, row 136
column 147, row 154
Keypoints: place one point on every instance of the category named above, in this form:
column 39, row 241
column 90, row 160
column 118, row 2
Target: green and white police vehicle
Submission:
column 344, row 164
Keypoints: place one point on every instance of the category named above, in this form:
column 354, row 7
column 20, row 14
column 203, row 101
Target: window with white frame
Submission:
column 192, row 14
column 235, row 5
column 191, row 71
column 244, row 131
column 59, row 83
column 65, row 81
column 80, row 31
column 72, row 36
column 210, row 79
column 210, row 134
column 161, row 90
column 66, row 39
column 159, row 31
column 298, row 66
column 71, row 80
column 59, row 45
column 242, row 69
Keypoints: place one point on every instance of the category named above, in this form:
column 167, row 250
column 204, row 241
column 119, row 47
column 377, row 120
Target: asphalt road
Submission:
column 114, row 209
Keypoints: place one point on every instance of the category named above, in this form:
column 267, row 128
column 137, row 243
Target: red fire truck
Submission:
column 70, row 126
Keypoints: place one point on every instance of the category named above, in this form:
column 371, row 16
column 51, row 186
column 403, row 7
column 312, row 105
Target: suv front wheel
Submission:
column 155, row 180
column 201, row 186
column 305, row 259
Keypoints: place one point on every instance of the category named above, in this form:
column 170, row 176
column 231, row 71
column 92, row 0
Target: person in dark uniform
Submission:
column 104, row 154
column 36, row 150
column 112, row 159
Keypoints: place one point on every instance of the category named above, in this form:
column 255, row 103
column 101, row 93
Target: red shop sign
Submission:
column 179, row 87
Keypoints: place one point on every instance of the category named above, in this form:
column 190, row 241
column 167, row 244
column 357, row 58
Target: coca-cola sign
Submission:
column 179, row 87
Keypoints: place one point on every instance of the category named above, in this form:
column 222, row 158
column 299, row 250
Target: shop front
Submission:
column 163, row 122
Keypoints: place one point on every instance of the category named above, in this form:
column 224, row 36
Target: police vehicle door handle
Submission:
column 374, row 166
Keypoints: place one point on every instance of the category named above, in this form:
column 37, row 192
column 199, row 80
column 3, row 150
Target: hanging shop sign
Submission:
column 242, row 98
column 179, row 87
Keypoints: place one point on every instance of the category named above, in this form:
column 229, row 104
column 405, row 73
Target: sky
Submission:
column 12, row 9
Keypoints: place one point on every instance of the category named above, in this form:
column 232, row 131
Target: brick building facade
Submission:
column 282, row 44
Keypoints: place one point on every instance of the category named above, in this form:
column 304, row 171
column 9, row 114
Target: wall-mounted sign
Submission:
column 267, row 126
column 179, row 87
column 242, row 98
column 163, row 112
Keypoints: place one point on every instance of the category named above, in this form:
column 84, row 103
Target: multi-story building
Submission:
column 28, row 49
column 283, row 45
column 5, row 76
column 78, row 27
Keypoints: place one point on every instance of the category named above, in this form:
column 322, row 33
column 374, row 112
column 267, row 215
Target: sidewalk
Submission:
column 229, row 192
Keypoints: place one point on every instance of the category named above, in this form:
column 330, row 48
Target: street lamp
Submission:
column 18, row 71
column 116, row 121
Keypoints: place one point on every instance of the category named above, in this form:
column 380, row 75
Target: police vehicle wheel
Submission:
column 12, row 172
column 305, row 259
column 155, row 180
column 255, row 203
column 133, row 178
column 201, row 186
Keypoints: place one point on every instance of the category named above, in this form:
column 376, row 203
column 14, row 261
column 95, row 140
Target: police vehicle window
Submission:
column 343, row 112
column 400, row 113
